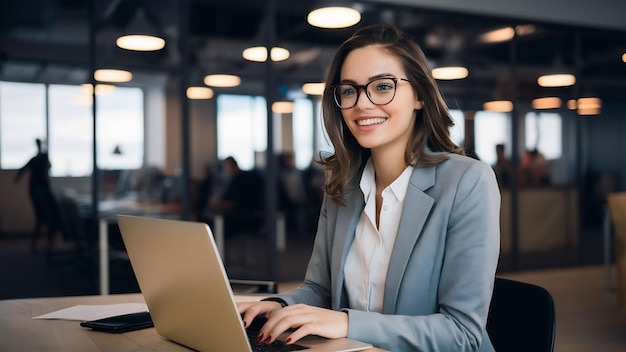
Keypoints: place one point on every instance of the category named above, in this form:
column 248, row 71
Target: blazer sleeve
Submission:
column 468, row 260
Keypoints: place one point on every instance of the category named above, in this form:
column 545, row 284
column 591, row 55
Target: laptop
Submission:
column 185, row 286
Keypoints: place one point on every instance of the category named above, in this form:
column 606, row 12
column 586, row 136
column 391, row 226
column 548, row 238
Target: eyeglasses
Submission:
column 380, row 91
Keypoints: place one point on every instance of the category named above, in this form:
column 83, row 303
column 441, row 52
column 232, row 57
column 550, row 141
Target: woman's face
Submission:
column 379, row 127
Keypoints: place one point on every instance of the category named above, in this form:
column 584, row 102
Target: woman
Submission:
column 408, row 236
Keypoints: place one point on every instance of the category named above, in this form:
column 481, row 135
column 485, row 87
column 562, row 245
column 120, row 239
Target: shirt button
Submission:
column 385, row 207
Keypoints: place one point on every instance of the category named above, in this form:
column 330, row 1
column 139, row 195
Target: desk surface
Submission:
column 19, row 332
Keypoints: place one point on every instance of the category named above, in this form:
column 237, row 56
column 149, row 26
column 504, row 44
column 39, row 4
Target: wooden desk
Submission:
column 19, row 332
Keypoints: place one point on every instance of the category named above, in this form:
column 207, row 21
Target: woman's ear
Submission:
column 418, row 105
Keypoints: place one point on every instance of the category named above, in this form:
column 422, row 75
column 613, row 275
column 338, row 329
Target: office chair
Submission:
column 521, row 317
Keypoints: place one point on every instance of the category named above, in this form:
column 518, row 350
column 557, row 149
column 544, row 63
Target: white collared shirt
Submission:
column 367, row 262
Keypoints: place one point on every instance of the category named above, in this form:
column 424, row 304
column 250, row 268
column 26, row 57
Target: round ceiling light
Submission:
column 571, row 104
column 259, row 54
column 450, row 72
column 498, row 106
column 547, row 103
column 498, row 35
column 282, row 107
column 140, row 42
column 314, row 88
column 333, row 17
column 222, row 80
column 589, row 103
column 101, row 89
column 557, row 80
column 199, row 93
column 112, row 75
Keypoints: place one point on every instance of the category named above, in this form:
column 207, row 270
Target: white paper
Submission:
column 93, row 312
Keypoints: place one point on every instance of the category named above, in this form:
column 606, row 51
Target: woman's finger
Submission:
column 251, row 310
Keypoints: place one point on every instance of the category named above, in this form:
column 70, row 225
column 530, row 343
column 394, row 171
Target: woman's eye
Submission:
column 347, row 91
column 382, row 87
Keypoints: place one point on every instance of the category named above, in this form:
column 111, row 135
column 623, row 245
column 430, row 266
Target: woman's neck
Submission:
column 388, row 167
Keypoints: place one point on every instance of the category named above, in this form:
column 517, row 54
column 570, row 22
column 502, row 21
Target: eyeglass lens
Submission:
column 379, row 91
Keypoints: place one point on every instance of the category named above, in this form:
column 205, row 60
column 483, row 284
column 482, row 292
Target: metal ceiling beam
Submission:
column 587, row 13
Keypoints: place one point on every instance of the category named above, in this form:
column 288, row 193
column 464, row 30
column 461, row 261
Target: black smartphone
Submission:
column 120, row 323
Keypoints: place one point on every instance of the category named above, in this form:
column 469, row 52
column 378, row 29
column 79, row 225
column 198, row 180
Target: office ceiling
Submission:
column 49, row 41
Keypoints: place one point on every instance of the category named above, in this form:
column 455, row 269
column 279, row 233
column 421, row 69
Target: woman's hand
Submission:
column 305, row 319
column 253, row 309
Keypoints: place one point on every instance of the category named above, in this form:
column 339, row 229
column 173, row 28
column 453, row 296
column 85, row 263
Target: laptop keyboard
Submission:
column 279, row 346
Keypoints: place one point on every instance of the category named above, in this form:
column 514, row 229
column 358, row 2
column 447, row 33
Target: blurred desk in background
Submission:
column 108, row 209
column 617, row 208
column 547, row 219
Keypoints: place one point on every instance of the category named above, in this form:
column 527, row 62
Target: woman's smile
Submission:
column 369, row 121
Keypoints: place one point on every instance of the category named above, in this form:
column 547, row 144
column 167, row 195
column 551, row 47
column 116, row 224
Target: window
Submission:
column 303, row 132
column 22, row 120
column 322, row 143
column 242, row 126
column 543, row 131
column 457, row 132
column 490, row 128
column 120, row 124
column 70, row 133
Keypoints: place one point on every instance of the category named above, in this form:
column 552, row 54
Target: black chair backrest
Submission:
column 521, row 317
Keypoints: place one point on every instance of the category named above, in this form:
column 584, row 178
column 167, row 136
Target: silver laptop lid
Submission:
column 186, row 289
column 183, row 282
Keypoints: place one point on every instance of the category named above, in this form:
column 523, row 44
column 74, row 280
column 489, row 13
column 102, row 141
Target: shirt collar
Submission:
column 398, row 186
column 368, row 179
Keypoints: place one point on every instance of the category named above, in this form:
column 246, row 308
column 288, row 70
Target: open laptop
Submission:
column 183, row 281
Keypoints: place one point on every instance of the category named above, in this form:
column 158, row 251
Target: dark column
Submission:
column 271, row 174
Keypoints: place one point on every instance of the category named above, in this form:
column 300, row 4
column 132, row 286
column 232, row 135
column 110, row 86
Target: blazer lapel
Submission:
column 417, row 206
column 347, row 219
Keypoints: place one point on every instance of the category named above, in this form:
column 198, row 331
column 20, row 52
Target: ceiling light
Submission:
column 585, row 106
column 498, row 35
column 222, row 80
column 498, row 106
column 450, row 72
column 525, row 29
column 589, row 103
column 314, row 88
column 546, row 103
column 199, row 93
column 101, row 89
column 588, row 111
column 624, row 57
column 259, row 54
column 142, row 34
column 112, row 75
column 140, row 42
column 333, row 17
column 557, row 80
column 282, row 107
column 571, row 104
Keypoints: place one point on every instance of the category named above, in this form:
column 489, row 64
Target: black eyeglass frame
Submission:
column 358, row 88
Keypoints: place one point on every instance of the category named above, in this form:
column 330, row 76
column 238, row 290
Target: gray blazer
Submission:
column 442, row 268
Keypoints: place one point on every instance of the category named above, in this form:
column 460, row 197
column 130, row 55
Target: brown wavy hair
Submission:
column 432, row 121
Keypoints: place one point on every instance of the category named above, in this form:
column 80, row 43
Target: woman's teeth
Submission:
column 372, row 121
